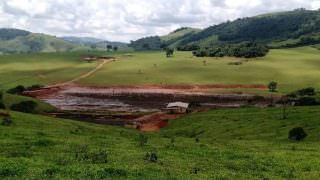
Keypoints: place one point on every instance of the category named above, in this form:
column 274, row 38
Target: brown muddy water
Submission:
column 123, row 106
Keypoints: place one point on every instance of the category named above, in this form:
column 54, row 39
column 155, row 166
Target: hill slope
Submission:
column 225, row 144
column 268, row 28
column 284, row 29
column 18, row 41
column 94, row 42
column 158, row 42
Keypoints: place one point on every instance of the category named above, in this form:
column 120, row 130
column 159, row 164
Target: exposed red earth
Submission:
column 149, row 99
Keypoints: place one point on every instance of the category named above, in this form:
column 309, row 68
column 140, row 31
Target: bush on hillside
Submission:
column 34, row 87
column 7, row 121
column 17, row 90
column 2, row 106
column 304, row 97
column 24, row 106
column 152, row 157
column 297, row 134
column 307, row 101
column 95, row 157
column 310, row 91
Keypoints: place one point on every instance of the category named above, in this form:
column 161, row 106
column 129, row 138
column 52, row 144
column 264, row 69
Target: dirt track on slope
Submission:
column 97, row 68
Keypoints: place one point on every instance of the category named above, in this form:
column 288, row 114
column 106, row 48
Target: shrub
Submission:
column 111, row 172
column 44, row 143
column 297, row 134
column 7, row 121
column 2, row 106
column 303, row 92
column 152, row 157
column 24, row 106
column 307, row 101
column 194, row 170
column 307, row 92
column 11, row 169
column 95, row 157
column 34, row 87
column 17, row 90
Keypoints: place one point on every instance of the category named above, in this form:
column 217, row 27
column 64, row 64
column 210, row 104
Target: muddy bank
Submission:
column 139, row 106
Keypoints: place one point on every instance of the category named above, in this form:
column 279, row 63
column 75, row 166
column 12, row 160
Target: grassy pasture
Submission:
column 244, row 143
column 291, row 68
column 45, row 68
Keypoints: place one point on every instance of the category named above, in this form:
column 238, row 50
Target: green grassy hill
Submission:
column 41, row 68
column 32, row 42
column 244, row 143
column 299, row 25
column 277, row 30
column 172, row 40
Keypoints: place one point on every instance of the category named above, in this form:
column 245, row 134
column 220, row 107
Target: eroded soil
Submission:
column 140, row 107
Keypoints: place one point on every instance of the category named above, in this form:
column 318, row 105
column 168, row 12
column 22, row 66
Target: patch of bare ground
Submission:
column 154, row 122
column 146, row 100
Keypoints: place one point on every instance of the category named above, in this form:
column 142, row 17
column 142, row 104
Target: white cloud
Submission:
column 130, row 19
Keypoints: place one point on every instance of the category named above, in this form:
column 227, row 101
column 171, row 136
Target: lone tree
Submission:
column 115, row 48
column 273, row 86
column 169, row 52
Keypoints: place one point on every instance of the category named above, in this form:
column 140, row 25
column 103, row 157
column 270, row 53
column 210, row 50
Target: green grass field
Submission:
column 291, row 68
column 246, row 143
column 43, row 69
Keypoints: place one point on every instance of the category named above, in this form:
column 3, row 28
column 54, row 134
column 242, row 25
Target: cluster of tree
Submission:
column 304, row 41
column 246, row 50
column 304, row 97
column 148, row 43
column 34, row 45
column 110, row 47
column 8, row 34
column 20, row 89
column 188, row 47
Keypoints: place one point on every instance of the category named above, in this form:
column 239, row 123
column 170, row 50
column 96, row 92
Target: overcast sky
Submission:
column 125, row 20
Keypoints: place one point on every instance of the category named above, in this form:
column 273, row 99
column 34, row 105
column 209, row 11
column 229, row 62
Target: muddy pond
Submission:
column 126, row 105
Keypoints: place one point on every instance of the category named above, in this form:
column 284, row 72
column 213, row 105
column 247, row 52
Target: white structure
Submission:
column 177, row 107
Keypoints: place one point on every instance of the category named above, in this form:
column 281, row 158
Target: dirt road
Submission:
column 97, row 68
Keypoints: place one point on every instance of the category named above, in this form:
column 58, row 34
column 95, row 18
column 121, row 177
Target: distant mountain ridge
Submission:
column 21, row 41
column 277, row 30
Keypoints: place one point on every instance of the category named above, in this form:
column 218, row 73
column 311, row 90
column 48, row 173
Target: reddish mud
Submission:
column 136, row 101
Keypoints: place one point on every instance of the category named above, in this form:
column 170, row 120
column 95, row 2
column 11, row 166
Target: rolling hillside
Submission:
column 18, row 41
column 247, row 143
column 285, row 29
column 172, row 40
column 94, row 42
column 277, row 30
